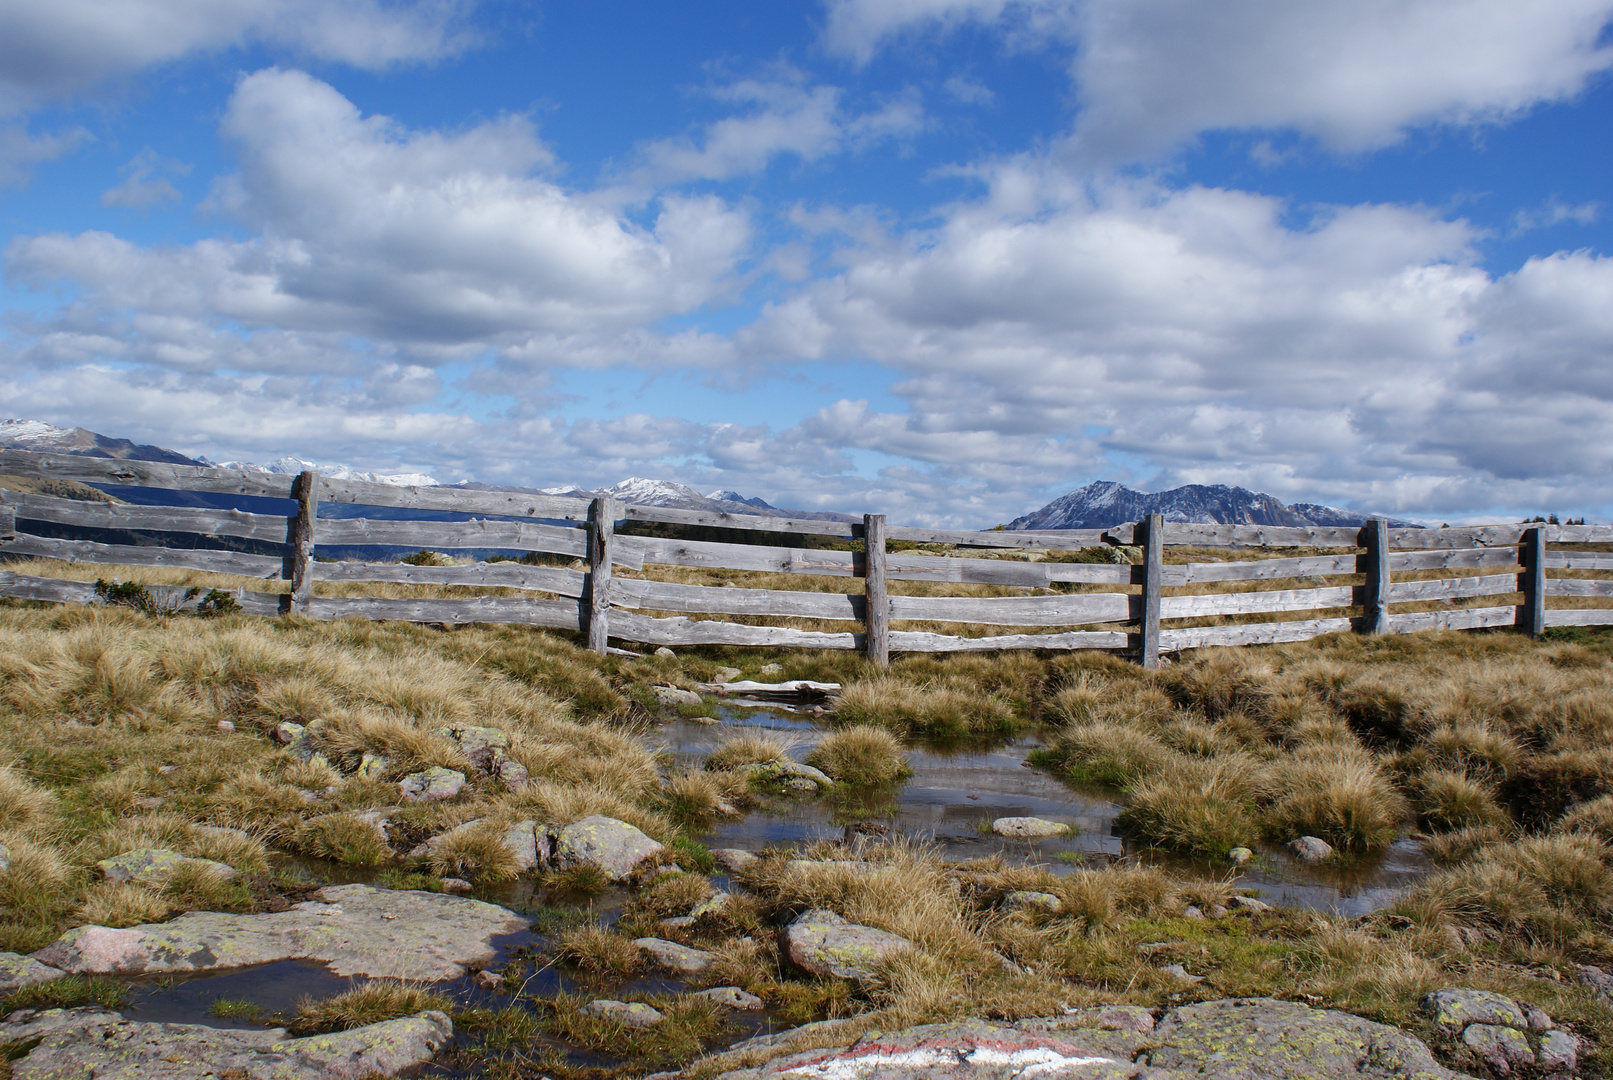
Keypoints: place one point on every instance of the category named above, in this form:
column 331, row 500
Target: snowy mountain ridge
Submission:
column 1105, row 504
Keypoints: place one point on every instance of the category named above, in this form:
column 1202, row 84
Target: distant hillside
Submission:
column 1105, row 504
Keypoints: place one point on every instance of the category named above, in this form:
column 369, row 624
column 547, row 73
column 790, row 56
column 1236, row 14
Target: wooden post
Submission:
column 8, row 523
column 1375, row 604
column 878, row 613
column 1153, row 572
column 1532, row 553
column 601, row 527
column 301, row 541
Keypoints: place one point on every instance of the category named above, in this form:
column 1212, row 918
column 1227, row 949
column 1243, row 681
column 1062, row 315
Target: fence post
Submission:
column 601, row 527
column 878, row 606
column 1532, row 553
column 301, row 541
column 1153, row 571
column 8, row 523
column 1375, row 604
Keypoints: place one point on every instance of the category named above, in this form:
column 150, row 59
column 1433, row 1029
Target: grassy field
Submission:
column 1496, row 751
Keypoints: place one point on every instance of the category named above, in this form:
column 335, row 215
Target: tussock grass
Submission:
column 1116, row 754
column 932, row 710
column 1449, row 800
column 1340, row 796
column 1594, row 817
column 475, row 854
column 370, row 1003
column 344, row 838
column 691, row 797
column 863, row 754
column 598, row 951
column 749, row 748
column 1198, row 804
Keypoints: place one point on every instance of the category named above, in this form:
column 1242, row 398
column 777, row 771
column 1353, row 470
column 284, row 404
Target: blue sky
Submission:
column 946, row 259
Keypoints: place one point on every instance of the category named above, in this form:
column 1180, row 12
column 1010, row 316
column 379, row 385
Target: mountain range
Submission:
column 1105, row 504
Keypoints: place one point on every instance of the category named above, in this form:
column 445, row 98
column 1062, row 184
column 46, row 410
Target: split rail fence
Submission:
column 1374, row 580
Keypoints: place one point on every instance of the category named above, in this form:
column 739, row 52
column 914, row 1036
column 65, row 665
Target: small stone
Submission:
column 513, row 774
column 1500, row 1047
column 19, row 972
column 487, row 980
column 732, row 997
column 1559, row 1052
column 734, row 860
column 168, row 770
column 676, row 922
column 1026, row 828
column 669, row 954
column 305, row 747
column 800, row 785
column 1217, row 911
column 1538, row 1019
column 372, row 766
column 1454, row 1009
column 712, row 905
column 431, row 785
column 287, row 732
column 456, row 885
column 726, row 674
column 528, row 842
column 1028, row 900
column 1249, row 903
column 1310, row 850
column 154, row 866
column 614, row 846
column 672, row 695
column 225, row 727
column 1594, row 977
column 1239, row 855
column 484, row 747
column 666, row 652
column 823, row 943
column 5, row 857
column 1192, row 911
column 1181, row 973
column 631, row 1015
column 771, row 671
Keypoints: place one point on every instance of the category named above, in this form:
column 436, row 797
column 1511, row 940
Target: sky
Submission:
column 940, row 259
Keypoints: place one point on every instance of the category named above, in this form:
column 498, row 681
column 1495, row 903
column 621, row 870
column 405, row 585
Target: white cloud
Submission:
column 429, row 243
column 20, row 151
column 50, row 48
column 144, row 184
column 781, row 115
column 1150, row 73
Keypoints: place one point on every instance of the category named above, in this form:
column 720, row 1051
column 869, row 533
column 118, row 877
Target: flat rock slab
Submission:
column 970, row 1049
column 732, row 997
column 355, row 929
column 1027, row 828
column 824, row 943
column 1265, row 1039
column 431, row 785
column 21, row 972
column 669, row 954
column 81, row 1043
column 734, row 860
column 1454, row 1009
column 614, row 846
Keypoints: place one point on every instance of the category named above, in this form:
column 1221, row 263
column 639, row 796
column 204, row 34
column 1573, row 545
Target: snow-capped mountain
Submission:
column 294, row 465
column 643, row 491
column 1104, row 504
column 40, row 437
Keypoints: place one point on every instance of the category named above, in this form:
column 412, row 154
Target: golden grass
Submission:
column 862, row 754
column 932, row 710
column 749, row 748
column 369, row 1003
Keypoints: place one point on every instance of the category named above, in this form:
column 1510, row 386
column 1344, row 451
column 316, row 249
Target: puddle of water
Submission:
column 273, row 988
column 953, row 796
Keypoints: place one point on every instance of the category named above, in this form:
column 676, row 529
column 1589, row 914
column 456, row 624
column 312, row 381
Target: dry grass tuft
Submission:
column 344, row 838
column 1115, row 754
column 933, row 710
column 749, row 748
column 861, row 755
column 1339, row 796
column 598, row 951
column 691, row 797
column 371, row 1003
column 122, row 906
column 1449, row 800
column 24, row 807
column 1594, row 817
column 475, row 854
column 1197, row 804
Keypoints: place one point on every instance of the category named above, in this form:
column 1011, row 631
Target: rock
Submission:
column 1265, row 1039
column 483, row 747
column 675, row 922
column 1310, row 850
column 669, row 954
column 666, row 652
column 1559, row 1052
column 1249, row 903
column 529, row 844
column 822, row 943
column 790, row 770
column 1454, row 1009
column 154, row 866
column 614, row 846
column 734, row 860
column 732, row 997
column 726, row 674
column 1239, row 855
column 354, row 929
column 1026, row 900
column 1027, row 828
column 712, row 905
column 456, row 885
column 1500, row 1047
column 19, row 972
column 1192, row 911
column 1594, row 977
column 672, row 695
column 1114, row 1018
column 1538, row 1019
column 488, row 980
column 628, row 1014
column 225, row 727
column 513, row 774
column 304, row 746
column 1181, row 973
column 771, row 671
column 372, row 766
column 148, row 802
column 287, row 732
column 432, row 784
column 99, row 1043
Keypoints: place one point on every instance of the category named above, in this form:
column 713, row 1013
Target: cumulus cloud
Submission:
column 50, row 48
column 145, row 182
column 20, row 151
column 1150, row 73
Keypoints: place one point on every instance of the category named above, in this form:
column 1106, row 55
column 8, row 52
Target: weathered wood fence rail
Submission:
column 1116, row 606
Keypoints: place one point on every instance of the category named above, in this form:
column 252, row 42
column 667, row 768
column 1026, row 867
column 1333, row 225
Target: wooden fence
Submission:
column 1399, row 580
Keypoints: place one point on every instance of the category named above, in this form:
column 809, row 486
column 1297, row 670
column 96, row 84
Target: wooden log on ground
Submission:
column 86, row 551
column 631, row 626
column 1406, row 592
column 511, row 575
column 707, row 600
column 1269, row 633
column 1458, row 619
column 919, row 641
column 1249, row 603
column 184, row 519
column 1074, row 609
column 1579, row 616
